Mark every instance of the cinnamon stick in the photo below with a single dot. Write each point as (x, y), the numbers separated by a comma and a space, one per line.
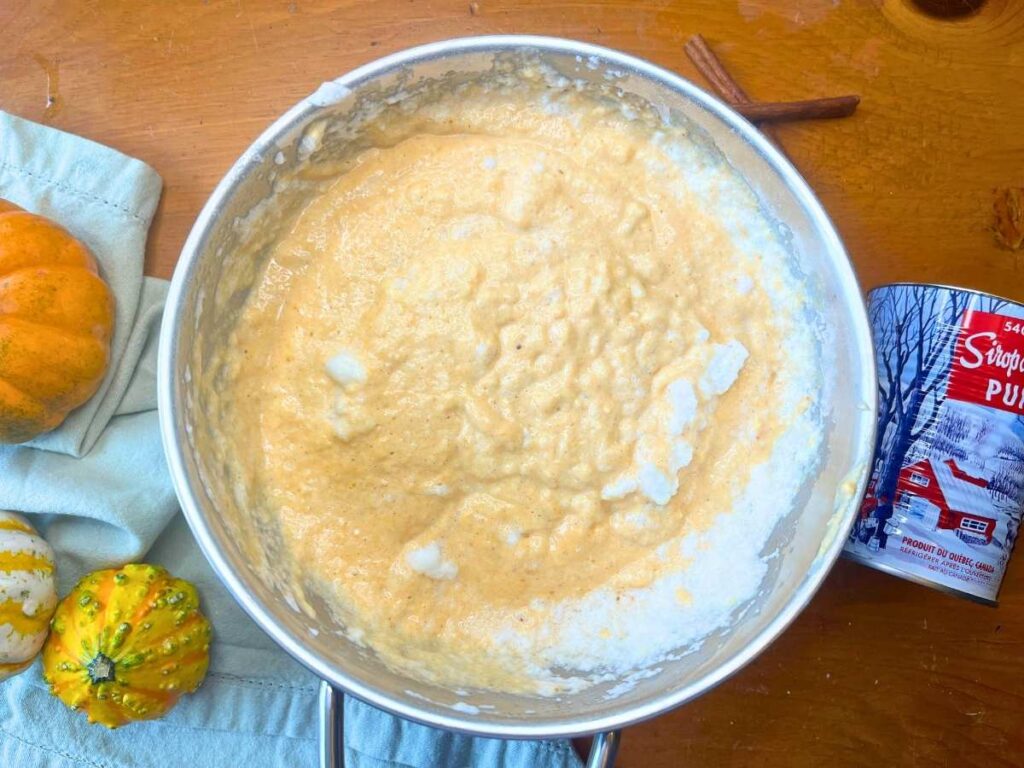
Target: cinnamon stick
(809, 109)
(714, 71)
(711, 67)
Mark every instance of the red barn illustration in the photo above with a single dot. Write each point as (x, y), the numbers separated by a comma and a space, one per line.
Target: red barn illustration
(945, 496)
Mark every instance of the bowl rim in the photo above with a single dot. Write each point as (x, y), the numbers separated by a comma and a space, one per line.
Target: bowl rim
(174, 443)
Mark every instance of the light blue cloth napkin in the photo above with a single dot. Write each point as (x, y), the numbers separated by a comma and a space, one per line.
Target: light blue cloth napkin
(98, 489)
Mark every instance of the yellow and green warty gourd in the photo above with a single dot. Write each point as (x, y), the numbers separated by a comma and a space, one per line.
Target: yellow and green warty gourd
(126, 643)
(27, 593)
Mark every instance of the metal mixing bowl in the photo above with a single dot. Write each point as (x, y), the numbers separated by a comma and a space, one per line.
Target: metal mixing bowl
(220, 263)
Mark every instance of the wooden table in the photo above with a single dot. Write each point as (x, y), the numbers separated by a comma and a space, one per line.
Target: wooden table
(876, 671)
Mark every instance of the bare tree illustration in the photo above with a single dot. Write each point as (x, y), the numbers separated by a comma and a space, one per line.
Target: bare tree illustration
(916, 330)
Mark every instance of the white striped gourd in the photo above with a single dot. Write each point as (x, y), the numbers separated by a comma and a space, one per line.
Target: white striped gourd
(28, 595)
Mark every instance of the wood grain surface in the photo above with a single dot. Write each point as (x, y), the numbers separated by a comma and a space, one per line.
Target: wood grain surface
(877, 671)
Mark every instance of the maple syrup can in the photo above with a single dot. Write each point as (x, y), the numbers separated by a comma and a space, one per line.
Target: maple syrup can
(946, 491)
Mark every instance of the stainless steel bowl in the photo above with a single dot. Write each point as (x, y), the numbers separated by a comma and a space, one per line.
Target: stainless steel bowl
(213, 279)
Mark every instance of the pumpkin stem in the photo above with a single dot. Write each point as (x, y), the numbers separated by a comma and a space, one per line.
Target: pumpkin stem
(101, 669)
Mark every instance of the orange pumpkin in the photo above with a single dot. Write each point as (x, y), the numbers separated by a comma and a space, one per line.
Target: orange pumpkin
(56, 317)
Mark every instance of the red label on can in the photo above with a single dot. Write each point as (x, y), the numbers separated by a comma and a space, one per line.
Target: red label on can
(988, 362)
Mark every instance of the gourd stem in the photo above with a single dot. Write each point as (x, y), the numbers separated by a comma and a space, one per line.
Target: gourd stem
(101, 669)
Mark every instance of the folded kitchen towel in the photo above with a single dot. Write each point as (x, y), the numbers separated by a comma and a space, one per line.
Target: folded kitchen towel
(98, 489)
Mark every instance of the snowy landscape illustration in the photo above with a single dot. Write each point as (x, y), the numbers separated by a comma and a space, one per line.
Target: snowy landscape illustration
(947, 481)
